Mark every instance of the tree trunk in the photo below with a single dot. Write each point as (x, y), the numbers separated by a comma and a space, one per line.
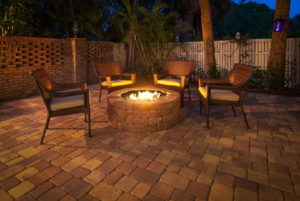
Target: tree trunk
(208, 38)
(131, 46)
(276, 65)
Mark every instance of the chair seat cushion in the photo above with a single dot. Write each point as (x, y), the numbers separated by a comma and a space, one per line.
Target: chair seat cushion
(217, 94)
(66, 102)
(116, 83)
(169, 82)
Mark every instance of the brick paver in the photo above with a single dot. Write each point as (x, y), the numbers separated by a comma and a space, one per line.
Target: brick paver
(186, 162)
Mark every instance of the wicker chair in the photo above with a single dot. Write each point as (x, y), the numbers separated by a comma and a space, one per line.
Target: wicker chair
(62, 99)
(107, 71)
(225, 92)
(176, 76)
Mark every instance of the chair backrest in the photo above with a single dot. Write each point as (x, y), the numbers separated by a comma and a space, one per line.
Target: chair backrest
(240, 74)
(108, 68)
(180, 67)
(43, 81)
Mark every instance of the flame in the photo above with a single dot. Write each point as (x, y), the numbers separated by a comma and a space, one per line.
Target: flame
(146, 96)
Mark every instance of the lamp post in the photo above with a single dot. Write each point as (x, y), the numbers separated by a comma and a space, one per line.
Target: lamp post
(75, 28)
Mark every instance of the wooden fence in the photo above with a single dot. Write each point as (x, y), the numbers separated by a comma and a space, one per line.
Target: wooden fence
(253, 52)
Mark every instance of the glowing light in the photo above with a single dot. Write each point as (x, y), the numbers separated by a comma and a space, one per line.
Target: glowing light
(145, 96)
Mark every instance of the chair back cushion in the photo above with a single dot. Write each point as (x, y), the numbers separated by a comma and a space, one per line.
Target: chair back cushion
(180, 67)
(108, 68)
(43, 81)
(240, 74)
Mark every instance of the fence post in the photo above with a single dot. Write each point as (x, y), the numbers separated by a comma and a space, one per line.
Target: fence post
(236, 53)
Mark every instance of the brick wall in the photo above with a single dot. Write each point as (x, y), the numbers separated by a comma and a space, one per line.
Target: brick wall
(65, 60)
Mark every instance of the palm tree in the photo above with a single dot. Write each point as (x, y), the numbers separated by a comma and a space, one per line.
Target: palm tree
(208, 38)
(276, 66)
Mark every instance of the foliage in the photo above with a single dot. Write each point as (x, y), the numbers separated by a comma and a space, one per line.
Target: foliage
(60, 15)
(250, 18)
(151, 30)
(15, 17)
(258, 79)
(294, 27)
(200, 73)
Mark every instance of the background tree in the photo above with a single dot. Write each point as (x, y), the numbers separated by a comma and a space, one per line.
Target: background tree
(276, 66)
(16, 17)
(208, 38)
(294, 27)
(151, 30)
(251, 19)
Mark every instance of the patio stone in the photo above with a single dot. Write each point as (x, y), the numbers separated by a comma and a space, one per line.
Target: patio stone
(162, 190)
(45, 175)
(105, 192)
(60, 178)
(94, 177)
(140, 190)
(53, 194)
(126, 183)
(24, 175)
(186, 162)
(220, 192)
(41, 189)
(21, 189)
(5, 196)
(76, 187)
(28, 152)
(174, 180)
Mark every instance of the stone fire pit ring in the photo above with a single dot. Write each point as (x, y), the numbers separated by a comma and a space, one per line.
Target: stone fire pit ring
(143, 116)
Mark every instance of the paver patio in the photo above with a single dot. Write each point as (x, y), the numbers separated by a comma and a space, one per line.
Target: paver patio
(187, 162)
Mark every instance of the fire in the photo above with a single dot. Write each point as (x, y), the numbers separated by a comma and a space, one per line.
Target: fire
(145, 96)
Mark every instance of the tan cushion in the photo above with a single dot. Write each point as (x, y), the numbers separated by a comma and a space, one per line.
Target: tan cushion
(218, 94)
(66, 102)
(169, 82)
(116, 83)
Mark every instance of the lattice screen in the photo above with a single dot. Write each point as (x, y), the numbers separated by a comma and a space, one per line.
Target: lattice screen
(100, 51)
(22, 52)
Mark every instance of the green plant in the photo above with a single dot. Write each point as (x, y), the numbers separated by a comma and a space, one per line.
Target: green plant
(258, 79)
(200, 73)
(292, 76)
(152, 31)
(14, 17)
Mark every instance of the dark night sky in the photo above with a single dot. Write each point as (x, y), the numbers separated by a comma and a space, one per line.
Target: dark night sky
(294, 10)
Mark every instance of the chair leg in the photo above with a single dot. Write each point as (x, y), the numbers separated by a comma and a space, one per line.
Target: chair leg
(46, 127)
(89, 122)
(234, 113)
(245, 118)
(200, 103)
(189, 92)
(100, 93)
(182, 98)
(207, 115)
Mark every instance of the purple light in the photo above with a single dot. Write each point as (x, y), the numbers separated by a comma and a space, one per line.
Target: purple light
(277, 29)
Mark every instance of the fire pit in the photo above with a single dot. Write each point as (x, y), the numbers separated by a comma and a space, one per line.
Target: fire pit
(143, 109)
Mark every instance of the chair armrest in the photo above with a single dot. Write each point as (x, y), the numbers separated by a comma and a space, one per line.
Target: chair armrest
(155, 78)
(131, 75)
(203, 82)
(59, 86)
(57, 94)
(223, 87)
(182, 81)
